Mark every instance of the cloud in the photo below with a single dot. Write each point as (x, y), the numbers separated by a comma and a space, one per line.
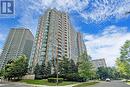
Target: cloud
(66, 5)
(27, 17)
(100, 10)
(32, 9)
(2, 37)
(89, 10)
(29, 11)
(29, 22)
(107, 44)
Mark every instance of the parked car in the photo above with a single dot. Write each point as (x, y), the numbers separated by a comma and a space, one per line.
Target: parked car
(108, 80)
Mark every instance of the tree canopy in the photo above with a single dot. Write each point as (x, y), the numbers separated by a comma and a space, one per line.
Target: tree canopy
(16, 68)
(85, 68)
(107, 72)
(123, 62)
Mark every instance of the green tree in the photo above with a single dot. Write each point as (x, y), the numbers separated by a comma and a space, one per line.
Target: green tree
(68, 69)
(115, 73)
(123, 67)
(85, 68)
(48, 68)
(103, 73)
(21, 66)
(123, 62)
(1, 72)
(42, 71)
(64, 66)
(37, 71)
(73, 68)
(16, 68)
(125, 51)
(107, 72)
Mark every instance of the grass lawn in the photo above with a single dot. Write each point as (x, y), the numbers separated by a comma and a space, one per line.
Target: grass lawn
(128, 82)
(84, 84)
(45, 82)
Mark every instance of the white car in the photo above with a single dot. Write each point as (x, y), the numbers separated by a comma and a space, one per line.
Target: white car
(108, 80)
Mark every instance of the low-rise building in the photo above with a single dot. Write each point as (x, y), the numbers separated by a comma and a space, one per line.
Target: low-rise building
(99, 63)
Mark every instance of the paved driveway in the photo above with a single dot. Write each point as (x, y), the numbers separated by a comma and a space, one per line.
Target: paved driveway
(14, 85)
(111, 84)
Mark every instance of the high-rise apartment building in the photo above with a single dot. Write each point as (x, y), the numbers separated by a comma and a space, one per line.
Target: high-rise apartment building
(18, 42)
(99, 63)
(55, 38)
(81, 44)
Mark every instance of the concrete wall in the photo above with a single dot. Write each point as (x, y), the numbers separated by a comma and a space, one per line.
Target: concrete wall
(29, 77)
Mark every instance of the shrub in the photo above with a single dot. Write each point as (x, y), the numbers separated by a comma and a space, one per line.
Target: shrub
(54, 80)
(75, 77)
(38, 77)
(72, 77)
(81, 79)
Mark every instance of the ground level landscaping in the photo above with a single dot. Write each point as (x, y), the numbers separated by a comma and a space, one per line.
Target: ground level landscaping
(128, 82)
(45, 82)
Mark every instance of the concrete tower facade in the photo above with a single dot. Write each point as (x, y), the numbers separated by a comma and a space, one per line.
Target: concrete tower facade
(18, 42)
(55, 38)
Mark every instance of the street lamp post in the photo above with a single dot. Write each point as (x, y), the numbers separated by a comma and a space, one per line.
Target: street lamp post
(57, 63)
(57, 70)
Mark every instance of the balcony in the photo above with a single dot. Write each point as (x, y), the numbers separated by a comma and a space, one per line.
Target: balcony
(59, 55)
